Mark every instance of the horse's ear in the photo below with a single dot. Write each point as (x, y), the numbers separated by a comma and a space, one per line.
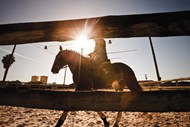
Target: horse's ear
(60, 48)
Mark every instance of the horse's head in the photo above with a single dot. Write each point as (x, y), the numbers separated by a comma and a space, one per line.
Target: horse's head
(59, 62)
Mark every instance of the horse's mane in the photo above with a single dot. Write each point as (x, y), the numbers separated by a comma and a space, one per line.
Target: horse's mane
(73, 52)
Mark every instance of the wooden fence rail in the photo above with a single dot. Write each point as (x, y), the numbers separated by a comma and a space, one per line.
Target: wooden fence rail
(122, 26)
(147, 101)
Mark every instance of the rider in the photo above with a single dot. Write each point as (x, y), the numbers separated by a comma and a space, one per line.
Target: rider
(99, 55)
(98, 58)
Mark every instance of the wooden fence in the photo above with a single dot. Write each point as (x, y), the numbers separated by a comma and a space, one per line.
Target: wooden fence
(122, 26)
(147, 101)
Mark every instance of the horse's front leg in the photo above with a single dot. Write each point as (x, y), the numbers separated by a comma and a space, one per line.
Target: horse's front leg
(103, 117)
(61, 119)
(118, 119)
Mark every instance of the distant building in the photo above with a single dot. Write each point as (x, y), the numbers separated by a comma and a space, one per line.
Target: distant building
(43, 79)
(35, 78)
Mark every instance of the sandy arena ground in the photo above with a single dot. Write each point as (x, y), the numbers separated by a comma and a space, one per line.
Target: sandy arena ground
(26, 117)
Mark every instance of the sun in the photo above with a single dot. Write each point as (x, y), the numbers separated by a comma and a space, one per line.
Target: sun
(83, 44)
(82, 41)
(82, 36)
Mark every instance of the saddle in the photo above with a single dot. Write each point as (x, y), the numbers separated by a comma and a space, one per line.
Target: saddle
(105, 68)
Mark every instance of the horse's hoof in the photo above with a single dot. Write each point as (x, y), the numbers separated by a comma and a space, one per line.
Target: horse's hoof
(116, 125)
(59, 123)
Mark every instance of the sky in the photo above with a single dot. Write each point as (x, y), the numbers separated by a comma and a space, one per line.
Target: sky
(172, 53)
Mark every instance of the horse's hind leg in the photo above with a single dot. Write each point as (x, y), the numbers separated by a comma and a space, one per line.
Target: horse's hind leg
(61, 119)
(118, 119)
(118, 85)
(103, 117)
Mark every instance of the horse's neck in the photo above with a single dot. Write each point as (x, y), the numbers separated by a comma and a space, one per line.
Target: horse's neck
(73, 61)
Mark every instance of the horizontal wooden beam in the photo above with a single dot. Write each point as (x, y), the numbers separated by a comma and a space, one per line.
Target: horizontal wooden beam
(147, 101)
(122, 26)
(165, 81)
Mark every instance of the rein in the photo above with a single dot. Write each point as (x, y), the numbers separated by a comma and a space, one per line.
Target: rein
(65, 66)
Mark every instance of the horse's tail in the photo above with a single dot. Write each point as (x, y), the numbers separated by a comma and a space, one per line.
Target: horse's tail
(133, 84)
(130, 78)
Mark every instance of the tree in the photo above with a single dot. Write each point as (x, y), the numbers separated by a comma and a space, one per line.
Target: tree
(8, 60)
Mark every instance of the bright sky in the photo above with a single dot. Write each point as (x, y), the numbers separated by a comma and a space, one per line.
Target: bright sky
(172, 53)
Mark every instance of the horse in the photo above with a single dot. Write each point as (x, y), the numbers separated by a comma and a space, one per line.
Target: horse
(116, 75)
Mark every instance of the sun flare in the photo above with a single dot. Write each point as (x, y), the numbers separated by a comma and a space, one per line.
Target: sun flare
(82, 36)
(83, 44)
(82, 41)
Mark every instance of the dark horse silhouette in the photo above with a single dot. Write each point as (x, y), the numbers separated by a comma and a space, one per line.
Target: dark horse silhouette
(117, 75)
